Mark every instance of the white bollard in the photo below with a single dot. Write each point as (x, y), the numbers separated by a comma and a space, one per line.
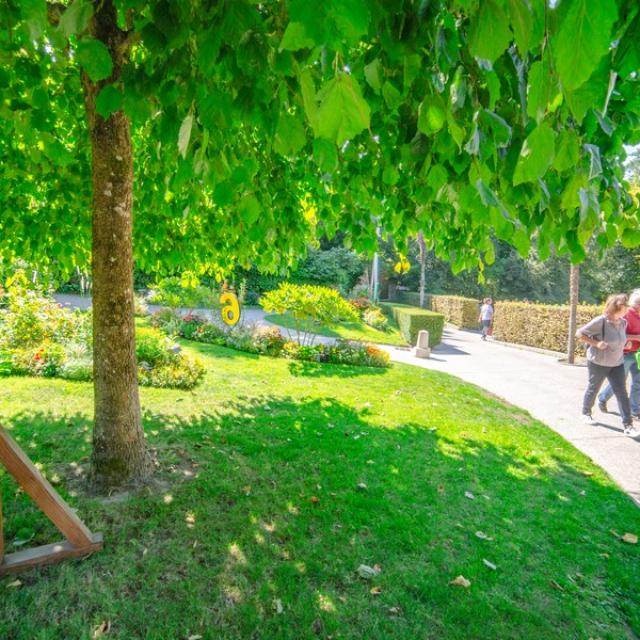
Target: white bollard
(422, 350)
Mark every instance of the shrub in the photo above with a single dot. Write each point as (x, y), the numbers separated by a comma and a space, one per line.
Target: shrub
(76, 369)
(360, 304)
(140, 305)
(462, 312)
(183, 373)
(412, 298)
(411, 320)
(545, 326)
(375, 318)
(269, 340)
(308, 304)
(45, 359)
(175, 292)
(189, 324)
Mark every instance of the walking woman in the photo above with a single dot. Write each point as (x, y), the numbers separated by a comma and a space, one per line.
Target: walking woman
(606, 336)
(486, 317)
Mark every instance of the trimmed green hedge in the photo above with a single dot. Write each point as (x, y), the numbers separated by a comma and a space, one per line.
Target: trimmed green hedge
(411, 320)
(459, 311)
(545, 326)
(412, 298)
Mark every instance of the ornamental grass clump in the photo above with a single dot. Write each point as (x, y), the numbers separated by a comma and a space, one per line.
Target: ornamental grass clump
(306, 305)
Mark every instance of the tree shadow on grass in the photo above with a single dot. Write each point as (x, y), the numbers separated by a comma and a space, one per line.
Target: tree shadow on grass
(293, 495)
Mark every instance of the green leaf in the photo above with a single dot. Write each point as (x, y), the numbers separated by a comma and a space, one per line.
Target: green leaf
(109, 101)
(76, 17)
(372, 75)
(522, 23)
(590, 94)
(498, 126)
(392, 97)
(295, 38)
(342, 112)
(536, 155)
(94, 58)
(290, 135)
(568, 151)
(595, 165)
(308, 89)
(542, 88)
(250, 209)
(185, 134)
(489, 34)
(630, 238)
(34, 13)
(352, 18)
(325, 155)
(432, 115)
(584, 37)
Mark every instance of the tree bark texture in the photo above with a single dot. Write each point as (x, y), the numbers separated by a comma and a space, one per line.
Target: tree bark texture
(119, 449)
(574, 286)
(423, 266)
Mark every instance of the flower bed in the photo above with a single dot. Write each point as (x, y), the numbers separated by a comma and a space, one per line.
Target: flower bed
(38, 337)
(268, 341)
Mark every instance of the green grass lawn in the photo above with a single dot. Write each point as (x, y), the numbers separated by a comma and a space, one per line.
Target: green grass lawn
(278, 479)
(347, 330)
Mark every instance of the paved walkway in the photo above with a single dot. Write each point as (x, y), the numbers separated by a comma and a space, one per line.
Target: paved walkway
(551, 392)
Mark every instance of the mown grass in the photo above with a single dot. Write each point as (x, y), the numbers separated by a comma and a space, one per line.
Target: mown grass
(346, 330)
(257, 523)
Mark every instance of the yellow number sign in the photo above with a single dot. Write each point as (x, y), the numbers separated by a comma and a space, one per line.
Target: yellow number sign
(230, 308)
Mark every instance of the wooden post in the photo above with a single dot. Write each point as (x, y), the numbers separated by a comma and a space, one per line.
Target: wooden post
(80, 541)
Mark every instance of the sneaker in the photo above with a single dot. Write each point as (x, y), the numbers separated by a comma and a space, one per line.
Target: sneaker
(587, 419)
(630, 430)
(602, 406)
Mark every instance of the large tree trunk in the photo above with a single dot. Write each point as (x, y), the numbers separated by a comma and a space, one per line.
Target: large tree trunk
(423, 266)
(574, 285)
(119, 450)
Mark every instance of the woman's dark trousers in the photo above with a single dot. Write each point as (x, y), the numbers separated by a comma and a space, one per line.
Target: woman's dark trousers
(616, 378)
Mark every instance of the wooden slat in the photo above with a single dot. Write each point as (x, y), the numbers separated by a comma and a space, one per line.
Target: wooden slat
(47, 554)
(42, 493)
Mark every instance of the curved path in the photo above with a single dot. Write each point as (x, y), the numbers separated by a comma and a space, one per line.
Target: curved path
(550, 391)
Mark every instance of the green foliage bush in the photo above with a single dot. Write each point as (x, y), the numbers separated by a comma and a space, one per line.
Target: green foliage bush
(306, 304)
(545, 326)
(175, 292)
(462, 312)
(412, 298)
(411, 320)
(374, 317)
(38, 337)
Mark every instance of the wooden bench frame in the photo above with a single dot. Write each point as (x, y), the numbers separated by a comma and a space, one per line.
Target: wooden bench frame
(79, 540)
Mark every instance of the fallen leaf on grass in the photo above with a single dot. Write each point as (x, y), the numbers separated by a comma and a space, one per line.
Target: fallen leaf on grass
(375, 591)
(15, 584)
(314, 500)
(468, 494)
(482, 535)
(489, 564)
(362, 486)
(277, 605)
(460, 581)
(393, 611)
(101, 630)
(555, 585)
(367, 572)
(630, 538)
(195, 637)
(440, 488)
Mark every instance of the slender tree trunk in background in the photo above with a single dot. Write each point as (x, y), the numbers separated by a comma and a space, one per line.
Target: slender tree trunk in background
(119, 449)
(574, 285)
(423, 266)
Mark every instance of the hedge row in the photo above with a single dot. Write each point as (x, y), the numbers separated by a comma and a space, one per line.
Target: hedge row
(462, 312)
(412, 298)
(545, 326)
(411, 320)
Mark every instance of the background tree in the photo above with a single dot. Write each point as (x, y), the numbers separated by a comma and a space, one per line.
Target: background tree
(253, 125)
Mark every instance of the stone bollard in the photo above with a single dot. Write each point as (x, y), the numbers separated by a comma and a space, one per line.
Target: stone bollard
(422, 350)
